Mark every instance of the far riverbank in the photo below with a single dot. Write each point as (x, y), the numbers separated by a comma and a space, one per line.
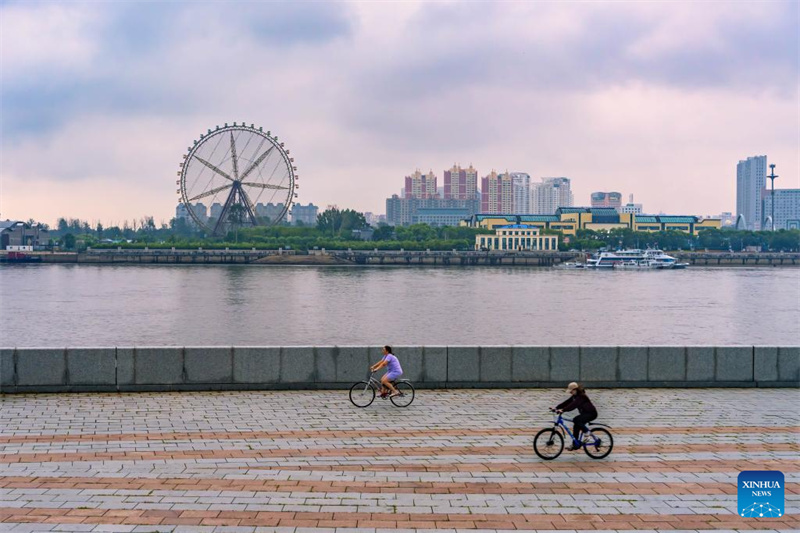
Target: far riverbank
(373, 257)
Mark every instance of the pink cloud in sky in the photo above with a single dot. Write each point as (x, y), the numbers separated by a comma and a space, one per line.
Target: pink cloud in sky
(99, 101)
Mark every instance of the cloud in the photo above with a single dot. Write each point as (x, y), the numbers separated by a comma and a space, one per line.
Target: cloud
(462, 75)
(147, 58)
(582, 47)
(40, 39)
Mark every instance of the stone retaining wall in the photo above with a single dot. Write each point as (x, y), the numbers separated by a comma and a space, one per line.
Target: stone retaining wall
(325, 367)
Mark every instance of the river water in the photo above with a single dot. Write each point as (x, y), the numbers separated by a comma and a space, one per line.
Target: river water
(85, 305)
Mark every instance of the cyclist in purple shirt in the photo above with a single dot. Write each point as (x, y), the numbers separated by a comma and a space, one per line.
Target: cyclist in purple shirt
(393, 372)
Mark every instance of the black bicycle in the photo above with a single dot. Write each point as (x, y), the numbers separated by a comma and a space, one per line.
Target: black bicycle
(597, 442)
(363, 393)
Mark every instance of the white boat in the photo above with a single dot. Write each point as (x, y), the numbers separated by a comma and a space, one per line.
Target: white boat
(609, 259)
(573, 265)
(650, 259)
(659, 260)
(633, 265)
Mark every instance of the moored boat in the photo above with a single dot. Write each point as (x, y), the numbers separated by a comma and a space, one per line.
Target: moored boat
(22, 257)
(650, 259)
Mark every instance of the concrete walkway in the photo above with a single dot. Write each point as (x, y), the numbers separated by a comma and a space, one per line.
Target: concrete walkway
(310, 462)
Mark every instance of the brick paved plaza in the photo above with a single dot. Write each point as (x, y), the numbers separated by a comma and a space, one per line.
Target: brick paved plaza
(310, 462)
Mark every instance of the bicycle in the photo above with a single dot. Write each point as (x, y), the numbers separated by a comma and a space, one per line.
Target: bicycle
(362, 394)
(597, 442)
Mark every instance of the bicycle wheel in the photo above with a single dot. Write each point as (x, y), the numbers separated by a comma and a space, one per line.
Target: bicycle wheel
(601, 447)
(548, 444)
(362, 394)
(406, 391)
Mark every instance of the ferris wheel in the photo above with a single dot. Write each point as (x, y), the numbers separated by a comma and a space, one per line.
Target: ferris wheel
(237, 170)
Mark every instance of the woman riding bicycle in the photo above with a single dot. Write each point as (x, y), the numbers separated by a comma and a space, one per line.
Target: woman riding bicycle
(587, 411)
(393, 373)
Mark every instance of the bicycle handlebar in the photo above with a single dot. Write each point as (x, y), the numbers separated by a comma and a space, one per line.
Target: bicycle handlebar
(556, 412)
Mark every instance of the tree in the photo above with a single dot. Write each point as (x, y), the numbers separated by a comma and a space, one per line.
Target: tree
(329, 221)
(416, 232)
(63, 226)
(784, 241)
(712, 239)
(383, 232)
(181, 227)
(113, 232)
(335, 221)
(68, 241)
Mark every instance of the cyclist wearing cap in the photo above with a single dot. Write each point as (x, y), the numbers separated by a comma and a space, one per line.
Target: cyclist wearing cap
(581, 402)
(393, 373)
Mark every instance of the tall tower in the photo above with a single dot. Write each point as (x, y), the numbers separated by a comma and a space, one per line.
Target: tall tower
(751, 178)
(551, 194)
(460, 183)
(521, 182)
(419, 185)
(772, 177)
(497, 193)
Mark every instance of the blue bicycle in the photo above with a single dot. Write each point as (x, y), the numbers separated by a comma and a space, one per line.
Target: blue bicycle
(595, 441)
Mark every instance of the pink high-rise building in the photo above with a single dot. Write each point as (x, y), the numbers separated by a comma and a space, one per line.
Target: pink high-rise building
(497, 193)
(419, 185)
(460, 183)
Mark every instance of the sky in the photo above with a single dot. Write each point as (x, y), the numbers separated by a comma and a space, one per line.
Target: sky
(100, 100)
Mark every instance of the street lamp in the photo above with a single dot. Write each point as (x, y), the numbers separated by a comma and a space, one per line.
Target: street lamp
(772, 177)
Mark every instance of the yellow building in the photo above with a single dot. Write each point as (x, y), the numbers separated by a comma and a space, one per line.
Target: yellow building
(646, 223)
(517, 237)
(569, 220)
(490, 221)
(708, 223)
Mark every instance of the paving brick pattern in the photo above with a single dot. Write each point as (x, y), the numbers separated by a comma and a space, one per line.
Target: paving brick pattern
(309, 462)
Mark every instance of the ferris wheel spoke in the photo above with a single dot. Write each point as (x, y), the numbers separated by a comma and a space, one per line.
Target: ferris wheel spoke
(257, 162)
(211, 192)
(248, 205)
(264, 186)
(235, 160)
(214, 168)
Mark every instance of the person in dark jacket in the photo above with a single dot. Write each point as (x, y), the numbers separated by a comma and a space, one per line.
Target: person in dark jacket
(581, 402)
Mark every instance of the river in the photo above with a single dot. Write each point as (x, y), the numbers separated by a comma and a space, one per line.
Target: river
(224, 305)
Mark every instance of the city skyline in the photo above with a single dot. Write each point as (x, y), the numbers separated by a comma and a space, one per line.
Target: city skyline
(99, 101)
(540, 199)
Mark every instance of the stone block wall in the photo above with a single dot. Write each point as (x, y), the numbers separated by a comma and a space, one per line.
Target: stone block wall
(162, 368)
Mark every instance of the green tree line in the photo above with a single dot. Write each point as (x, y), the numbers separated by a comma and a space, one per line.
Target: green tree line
(346, 228)
(723, 240)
